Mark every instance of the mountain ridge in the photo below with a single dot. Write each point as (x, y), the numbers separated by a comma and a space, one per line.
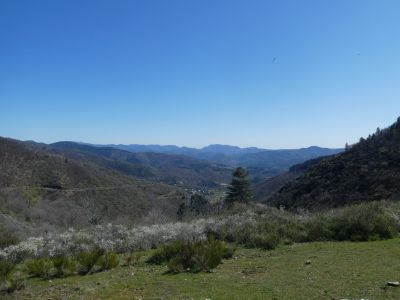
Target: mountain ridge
(261, 162)
(167, 168)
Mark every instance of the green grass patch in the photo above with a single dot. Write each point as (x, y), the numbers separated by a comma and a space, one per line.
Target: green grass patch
(337, 270)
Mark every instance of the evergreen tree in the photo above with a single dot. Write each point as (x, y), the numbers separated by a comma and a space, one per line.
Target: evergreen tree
(239, 189)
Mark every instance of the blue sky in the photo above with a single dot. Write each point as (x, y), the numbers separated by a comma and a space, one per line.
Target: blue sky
(273, 74)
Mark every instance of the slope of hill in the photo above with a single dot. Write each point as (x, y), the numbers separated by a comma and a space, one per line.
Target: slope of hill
(266, 188)
(41, 190)
(369, 170)
(168, 168)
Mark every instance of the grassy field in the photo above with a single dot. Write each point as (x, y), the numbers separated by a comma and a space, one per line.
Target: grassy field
(336, 271)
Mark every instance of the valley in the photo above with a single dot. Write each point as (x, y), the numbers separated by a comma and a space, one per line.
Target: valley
(104, 210)
(182, 150)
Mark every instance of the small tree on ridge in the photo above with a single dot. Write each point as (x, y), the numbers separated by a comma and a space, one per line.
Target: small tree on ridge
(239, 189)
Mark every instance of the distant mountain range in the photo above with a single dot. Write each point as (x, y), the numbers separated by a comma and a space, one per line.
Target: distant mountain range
(172, 169)
(54, 186)
(366, 171)
(262, 163)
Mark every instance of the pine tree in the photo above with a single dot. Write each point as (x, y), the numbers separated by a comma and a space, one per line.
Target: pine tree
(239, 189)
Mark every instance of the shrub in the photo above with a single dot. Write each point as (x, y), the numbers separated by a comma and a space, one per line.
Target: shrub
(362, 223)
(121, 239)
(165, 253)
(262, 235)
(108, 260)
(133, 258)
(257, 228)
(87, 260)
(63, 266)
(244, 235)
(267, 241)
(209, 254)
(318, 228)
(292, 231)
(41, 267)
(6, 267)
(8, 282)
(193, 257)
(228, 252)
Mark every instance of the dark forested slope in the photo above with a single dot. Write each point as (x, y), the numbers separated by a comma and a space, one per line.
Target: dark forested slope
(366, 171)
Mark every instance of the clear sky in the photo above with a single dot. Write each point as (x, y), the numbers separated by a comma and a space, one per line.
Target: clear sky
(273, 74)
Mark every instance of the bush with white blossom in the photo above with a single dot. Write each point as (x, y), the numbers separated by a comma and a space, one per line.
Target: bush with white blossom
(259, 227)
(121, 239)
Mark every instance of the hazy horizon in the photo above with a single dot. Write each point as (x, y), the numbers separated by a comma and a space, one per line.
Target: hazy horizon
(245, 73)
(165, 145)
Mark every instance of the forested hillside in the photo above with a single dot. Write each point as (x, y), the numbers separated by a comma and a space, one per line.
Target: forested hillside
(366, 171)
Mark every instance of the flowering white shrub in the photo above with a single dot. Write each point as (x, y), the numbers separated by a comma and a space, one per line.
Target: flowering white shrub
(122, 239)
(252, 228)
(32, 247)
